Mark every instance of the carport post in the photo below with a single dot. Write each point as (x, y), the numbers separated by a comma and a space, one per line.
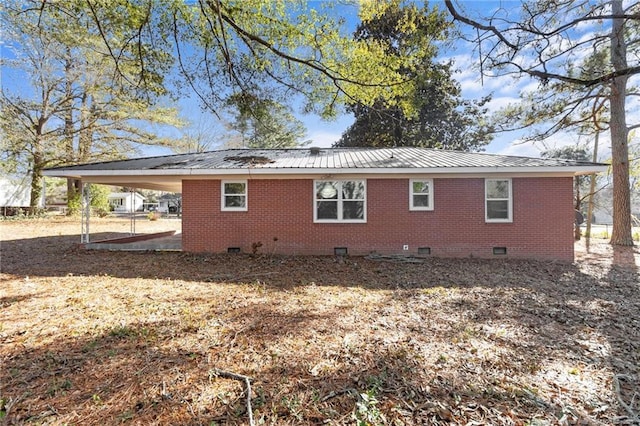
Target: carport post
(85, 194)
(132, 213)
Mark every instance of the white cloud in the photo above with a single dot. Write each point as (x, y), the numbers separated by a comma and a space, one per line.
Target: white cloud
(323, 133)
(518, 147)
(531, 87)
(323, 139)
(497, 103)
(521, 149)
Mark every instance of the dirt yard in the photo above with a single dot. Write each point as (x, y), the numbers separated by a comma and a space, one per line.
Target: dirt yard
(96, 337)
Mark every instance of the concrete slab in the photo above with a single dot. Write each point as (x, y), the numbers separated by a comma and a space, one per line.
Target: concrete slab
(162, 243)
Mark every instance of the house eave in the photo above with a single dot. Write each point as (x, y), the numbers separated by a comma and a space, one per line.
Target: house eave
(170, 180)
(272, 172)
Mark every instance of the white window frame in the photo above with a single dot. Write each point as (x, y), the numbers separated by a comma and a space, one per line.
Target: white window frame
(223, 196)
(509, 199)
(430, 194)
(340, 201)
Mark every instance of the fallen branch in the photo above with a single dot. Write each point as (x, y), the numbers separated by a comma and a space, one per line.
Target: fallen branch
(635, 417)
(395, 258)
(333, 394)
(247, 382)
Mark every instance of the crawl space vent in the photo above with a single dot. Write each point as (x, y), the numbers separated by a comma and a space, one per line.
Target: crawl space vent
(340, 251)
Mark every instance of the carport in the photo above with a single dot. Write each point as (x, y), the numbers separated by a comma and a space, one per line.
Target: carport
(125, 173)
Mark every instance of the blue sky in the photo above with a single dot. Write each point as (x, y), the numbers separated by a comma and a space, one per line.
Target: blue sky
(323, 133)
(505, 90)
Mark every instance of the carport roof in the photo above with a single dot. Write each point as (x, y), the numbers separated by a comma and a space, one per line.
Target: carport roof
(171, 169)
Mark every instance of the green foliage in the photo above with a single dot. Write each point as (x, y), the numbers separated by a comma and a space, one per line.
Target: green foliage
(153, 216)
(100, 197)
(264, 123)
(74, 204)
(577, 153)
(82, 106)
(367, 413)
(271, 49)
(99, 200)
(432, 114)
(101, 74)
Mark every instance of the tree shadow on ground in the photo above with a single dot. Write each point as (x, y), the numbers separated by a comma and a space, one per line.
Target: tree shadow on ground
(506, 319)
(624, 257)
(5, 302)
(150, 373)
(163, 372)
(623, 331)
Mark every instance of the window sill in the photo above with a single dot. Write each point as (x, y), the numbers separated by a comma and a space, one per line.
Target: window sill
(338, 221)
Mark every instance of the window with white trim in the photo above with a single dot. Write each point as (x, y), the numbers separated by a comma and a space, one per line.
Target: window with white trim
(234, 195)
(498, 200)
(340, 201)
(421, 194)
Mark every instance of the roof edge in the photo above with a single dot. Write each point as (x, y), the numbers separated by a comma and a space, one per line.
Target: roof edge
(540, 170)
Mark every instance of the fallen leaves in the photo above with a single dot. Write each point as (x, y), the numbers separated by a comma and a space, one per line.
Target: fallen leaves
(112, 337)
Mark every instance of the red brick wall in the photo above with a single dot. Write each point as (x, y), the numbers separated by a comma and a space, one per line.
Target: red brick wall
(280, 216)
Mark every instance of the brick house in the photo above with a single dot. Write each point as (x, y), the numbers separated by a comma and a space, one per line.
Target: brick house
(361, 200)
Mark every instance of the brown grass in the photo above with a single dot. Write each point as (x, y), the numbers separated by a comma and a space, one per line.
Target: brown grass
(96, 337)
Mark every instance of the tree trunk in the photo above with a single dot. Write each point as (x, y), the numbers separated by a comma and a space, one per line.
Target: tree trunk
(68, 111)
(37, 167)
(578, 207)
(36, 191)
(36, 179)
(73, 186)
(85, 137)
(621, 234)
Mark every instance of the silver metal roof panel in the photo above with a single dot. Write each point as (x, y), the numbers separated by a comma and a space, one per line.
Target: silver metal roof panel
(325, 158)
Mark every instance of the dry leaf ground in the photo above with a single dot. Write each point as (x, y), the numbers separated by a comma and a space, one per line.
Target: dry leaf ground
(97, 337)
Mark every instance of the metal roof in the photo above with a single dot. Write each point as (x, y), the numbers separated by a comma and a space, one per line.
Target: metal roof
(325, 158)
(167, 172)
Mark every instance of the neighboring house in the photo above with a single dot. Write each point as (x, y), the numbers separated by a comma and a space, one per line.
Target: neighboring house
(15, 193)
(126, 201)
(362, 200)
(603, 207)
(170, 203)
